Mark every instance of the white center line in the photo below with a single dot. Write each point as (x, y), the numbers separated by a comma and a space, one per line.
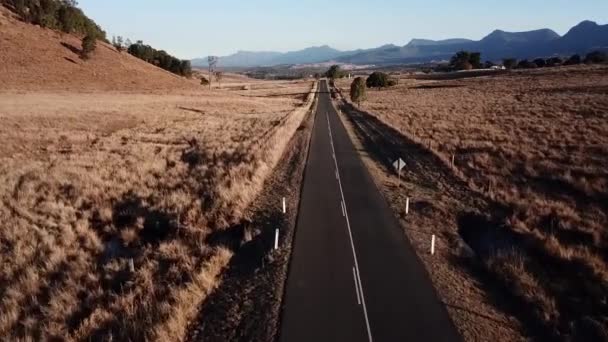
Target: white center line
(356, 286)
(350, 234)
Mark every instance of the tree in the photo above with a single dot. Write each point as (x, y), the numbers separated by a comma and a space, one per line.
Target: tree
(377, 80)
(212, 61)
(540, 62)
(554, 61)
(526, 64)
(465, 60)
(596, 57)
(89, 44)
(334, 72)
(573, 60)
(509, 63)
(218, 77)
(357, 90)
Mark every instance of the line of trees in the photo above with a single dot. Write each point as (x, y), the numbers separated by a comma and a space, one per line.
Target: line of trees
(161, 59)
(61, 15)
(465, 60)
(594, 57)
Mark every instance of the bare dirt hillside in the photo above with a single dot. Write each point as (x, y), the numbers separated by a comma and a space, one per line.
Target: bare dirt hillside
(33, 58)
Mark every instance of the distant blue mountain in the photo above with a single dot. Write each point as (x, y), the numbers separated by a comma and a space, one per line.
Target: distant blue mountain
(583, 38)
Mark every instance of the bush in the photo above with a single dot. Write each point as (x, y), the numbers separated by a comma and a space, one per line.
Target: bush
(509, 63)
(393, 81)
(89, 44)
(357, 90)
(596, 57)
(377, 80)
(204, 81)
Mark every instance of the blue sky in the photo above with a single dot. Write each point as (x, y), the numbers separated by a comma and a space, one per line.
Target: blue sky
(195, 28)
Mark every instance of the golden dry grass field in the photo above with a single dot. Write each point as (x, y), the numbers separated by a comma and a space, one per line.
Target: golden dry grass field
(536, 144)
(91, 181)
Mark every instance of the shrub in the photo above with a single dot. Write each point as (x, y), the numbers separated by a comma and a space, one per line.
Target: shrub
(377, 80)
(204, 81)
(509, 63)
(357, 90)
(393, 81)
(89, 44)
(596, 57)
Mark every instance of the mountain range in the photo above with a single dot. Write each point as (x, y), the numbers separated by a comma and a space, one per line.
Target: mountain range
(582, 38)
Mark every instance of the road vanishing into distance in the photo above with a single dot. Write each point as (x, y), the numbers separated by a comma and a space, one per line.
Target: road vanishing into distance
(353, 276)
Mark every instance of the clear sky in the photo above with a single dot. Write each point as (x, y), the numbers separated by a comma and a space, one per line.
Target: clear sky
(197, 28)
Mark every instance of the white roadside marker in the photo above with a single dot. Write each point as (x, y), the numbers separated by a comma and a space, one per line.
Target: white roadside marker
(284, 206)
(343, 209)
(276, 239)
(433, 245)
(407, 206)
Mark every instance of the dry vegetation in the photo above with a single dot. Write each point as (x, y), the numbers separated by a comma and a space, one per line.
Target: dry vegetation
(535, 144)
(90, 181)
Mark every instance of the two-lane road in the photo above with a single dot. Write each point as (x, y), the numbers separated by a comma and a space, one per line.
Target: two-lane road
(353, 276)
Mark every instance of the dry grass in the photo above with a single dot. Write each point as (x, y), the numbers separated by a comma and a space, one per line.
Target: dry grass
(91, 181)
(536, 143)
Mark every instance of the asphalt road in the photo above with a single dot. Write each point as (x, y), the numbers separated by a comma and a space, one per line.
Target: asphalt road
(353, 276)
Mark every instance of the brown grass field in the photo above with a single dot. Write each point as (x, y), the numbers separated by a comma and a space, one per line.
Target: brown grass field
(91, 181)
(534, 145)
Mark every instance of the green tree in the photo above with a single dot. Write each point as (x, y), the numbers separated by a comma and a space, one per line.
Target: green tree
(357, 90)
(465, 60)
(334, 72)
(89, 44)
(377, 80)
(509, 63)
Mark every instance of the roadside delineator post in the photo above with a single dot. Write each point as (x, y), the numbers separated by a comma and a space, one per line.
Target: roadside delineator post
(276, 239)
(453, 158)
(284, 206)
(433, 245)
(131, 265)
(407, 206)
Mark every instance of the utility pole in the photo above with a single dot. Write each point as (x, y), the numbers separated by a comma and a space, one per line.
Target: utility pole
(212, 61)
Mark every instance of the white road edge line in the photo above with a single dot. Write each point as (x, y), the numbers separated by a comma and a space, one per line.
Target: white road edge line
(350, 234)
(342, 205)
(356, 286)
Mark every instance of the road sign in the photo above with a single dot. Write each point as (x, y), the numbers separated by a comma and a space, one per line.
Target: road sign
(399, 165)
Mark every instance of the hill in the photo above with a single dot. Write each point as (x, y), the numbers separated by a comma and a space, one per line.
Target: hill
(35, 58)
(583, 38)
